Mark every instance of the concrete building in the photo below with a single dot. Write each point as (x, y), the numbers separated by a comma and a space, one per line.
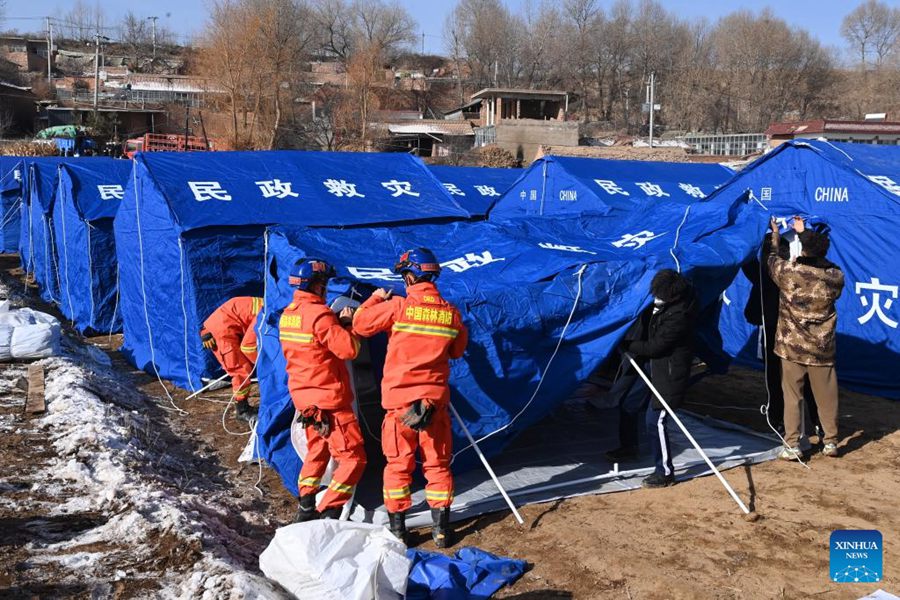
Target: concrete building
(861, 132)
(28, 55)
(520, 120)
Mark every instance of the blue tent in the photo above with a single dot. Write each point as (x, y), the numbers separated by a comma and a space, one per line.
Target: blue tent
(476, 188)
(556, 185)
(558, 292)
(87, 198)
(38, 241)
(190, 233)
(11, 177)
(855, 189)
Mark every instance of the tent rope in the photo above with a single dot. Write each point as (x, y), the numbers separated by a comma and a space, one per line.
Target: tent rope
(187, 361)
(10, 213)
(677, 234)
(537, 389)
(140, 238)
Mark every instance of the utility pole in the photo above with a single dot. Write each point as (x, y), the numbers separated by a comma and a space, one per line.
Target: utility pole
(153, 33)
(652, 105)
(96, 73)
(49, 54)
(423, 43)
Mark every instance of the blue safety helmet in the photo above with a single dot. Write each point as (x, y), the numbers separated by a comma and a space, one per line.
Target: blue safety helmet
(307, 271)
(421, 262)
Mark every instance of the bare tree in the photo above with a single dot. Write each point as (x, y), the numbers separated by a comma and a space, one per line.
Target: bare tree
(82, 21)
(344, 26)
(872, 28)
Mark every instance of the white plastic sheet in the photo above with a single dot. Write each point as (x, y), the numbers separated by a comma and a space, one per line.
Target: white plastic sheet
(27, 334)
(337, 560)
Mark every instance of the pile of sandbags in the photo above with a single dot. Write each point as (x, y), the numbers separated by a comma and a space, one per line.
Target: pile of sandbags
(26, 333)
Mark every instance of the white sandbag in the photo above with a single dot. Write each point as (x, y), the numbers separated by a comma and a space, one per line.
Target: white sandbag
(5, 342)
(337, 560)
(34, 341)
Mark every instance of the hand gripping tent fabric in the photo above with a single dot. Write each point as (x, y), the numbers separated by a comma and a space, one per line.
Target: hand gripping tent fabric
(42, 177)
(11, 180)
(560, 292)
(855, 189)
(190, 233)
(557, 185)
(475, 188)
(87, 198)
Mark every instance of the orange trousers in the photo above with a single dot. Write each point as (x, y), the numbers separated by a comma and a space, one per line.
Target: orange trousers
(399, 444)
(345, 444)
(236, 364)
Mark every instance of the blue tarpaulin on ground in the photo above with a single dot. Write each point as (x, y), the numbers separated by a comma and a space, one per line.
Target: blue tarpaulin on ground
(11, 178)
(855, 189)
(557, 185)
(475, 188)
(190, 233)
(522, 286)
(87, 198)
(37, 240)
(470, 574)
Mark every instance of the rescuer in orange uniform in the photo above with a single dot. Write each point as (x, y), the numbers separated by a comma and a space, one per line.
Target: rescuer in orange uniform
(425, 332)
(316, 342)
(230, 334)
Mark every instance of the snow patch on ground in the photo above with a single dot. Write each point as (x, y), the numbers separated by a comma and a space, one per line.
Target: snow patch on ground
(101, 467)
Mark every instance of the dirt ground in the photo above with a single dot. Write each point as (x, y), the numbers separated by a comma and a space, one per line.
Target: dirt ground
(687, 541)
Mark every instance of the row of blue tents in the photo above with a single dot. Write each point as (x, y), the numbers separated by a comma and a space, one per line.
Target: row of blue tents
(549, 265)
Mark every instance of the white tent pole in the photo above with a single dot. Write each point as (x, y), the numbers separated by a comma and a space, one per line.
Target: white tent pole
(207, 386)
(688, 435)
(487, 466)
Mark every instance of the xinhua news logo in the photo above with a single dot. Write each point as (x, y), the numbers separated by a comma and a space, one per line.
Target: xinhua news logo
(856, 556)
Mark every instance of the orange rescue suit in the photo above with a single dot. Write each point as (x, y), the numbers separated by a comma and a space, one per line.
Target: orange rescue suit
(233, 327)
(424, 333)
(315, 346)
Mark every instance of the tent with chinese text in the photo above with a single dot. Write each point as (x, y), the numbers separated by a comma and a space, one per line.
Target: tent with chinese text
(87, 198)
(475, 188)
(545, 303)
(189, 233)
(11, 177)
(558, 185)
(855, 190)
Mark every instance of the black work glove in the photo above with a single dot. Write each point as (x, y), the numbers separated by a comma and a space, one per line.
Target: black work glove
(315, 418)
(209, 342)
(625, 346)
(419, 415)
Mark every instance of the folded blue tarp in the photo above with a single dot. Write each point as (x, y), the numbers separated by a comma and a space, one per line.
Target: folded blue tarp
(471, 574)
(11, 178)
(190, 233)
(475, 188)
(557, 185)
(87, 198)
(565, 288)
(855, 189)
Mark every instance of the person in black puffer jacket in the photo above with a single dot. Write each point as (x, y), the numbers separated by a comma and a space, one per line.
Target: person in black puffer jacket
(667, 345)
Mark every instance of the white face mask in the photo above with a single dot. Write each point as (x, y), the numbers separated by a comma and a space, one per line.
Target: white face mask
(658, 302)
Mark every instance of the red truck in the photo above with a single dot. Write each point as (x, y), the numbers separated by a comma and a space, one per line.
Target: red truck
(166, 142)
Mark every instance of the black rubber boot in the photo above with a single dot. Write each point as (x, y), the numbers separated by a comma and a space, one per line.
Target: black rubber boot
(332, 513)
(307, 510)
(398, 526)
(246, 412)
(440, 529)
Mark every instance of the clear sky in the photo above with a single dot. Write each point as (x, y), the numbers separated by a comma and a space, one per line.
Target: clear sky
(822, 18)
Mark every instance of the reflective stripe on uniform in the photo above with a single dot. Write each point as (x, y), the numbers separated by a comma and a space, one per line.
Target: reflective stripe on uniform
(291, 336)
(436, 330)
(246, 349)
(397, 493)
(310, 482)
(340, 488)
(257, 305)
(437, 495)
